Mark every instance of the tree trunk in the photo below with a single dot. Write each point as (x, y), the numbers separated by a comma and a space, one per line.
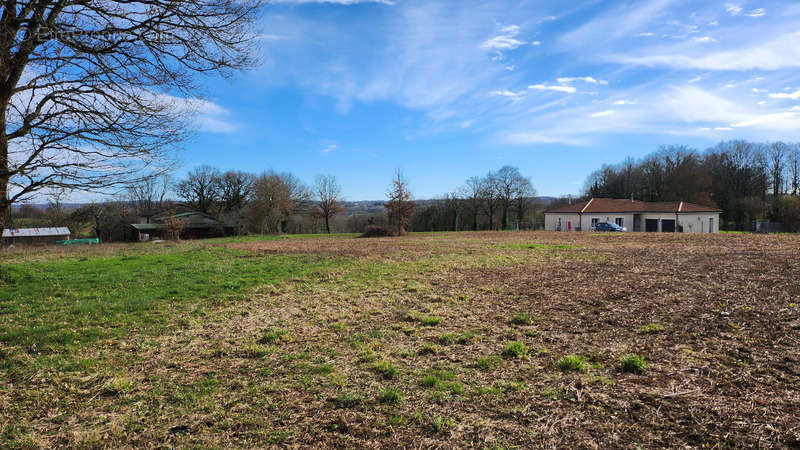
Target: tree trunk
(327, 224)
(5, 205)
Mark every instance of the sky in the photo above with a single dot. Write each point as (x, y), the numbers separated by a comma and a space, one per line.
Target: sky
(445, 90)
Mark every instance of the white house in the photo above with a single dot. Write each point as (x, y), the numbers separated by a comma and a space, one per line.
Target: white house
(634, 215)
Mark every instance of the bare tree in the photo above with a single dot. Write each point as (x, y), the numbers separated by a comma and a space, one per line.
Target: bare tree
(794, 168)
(148, 195)
(275, 197)
(400, 207)
(491, 198)
(472, 192)
(201, 189)
(95, 93)
(328, 193)
(236, 188)
(777, 153)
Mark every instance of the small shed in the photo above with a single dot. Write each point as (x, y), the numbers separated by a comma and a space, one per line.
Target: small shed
(34, 236)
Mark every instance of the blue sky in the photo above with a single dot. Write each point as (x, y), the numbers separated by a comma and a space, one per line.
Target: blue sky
(445, 90)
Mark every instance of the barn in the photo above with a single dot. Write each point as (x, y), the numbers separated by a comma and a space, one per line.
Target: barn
(634, 215)
(34, 236)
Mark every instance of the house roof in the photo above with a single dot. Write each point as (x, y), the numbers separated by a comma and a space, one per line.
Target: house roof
(621, 205)
(35, 232)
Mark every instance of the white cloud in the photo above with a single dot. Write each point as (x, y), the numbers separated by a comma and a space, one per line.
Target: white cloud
(546, 19)
(535, 43)
(783, 120)
(793, 95)
(780, 53)
(602, 113)
(624, 102)
(567, 80)
(502, 43)
(505, 41)
(515, 96)
(329, 149)
(733, 9)
(757, 12)
(704, 39)
(723, 128)
(645, 34)
(544, 87)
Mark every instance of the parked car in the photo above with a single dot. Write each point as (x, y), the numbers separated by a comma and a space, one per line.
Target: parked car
(608, 226)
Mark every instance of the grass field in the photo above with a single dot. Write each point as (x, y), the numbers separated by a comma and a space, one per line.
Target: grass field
(488, 340)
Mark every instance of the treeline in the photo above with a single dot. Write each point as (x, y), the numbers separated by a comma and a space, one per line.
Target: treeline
(273, 203)
(748, 181)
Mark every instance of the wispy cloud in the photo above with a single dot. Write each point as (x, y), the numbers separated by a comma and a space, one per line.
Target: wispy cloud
(605, 113)
(779, 53)
(329, 149)
(544, 87)
(793, 95)
(568, 80)
(704, 39)
(504, 41)
(733, 9)
(515, 96)
(757, 13)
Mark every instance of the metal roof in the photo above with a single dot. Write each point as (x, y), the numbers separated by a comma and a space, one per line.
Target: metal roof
(35, 232)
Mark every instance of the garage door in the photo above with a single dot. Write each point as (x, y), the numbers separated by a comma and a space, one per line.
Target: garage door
(651, 225)
(668, 225)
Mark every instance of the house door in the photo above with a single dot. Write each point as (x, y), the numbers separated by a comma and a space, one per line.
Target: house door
(651, 225)
(668, 225)
(710, 224)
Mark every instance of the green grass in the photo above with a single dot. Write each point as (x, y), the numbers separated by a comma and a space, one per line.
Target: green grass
(431, 321)
(386, 369)
(652, 328)
(390, 396)
(522, 319)
(537, 246)
(572, 363)
(53, 305)
(515, 349)
(632, 363)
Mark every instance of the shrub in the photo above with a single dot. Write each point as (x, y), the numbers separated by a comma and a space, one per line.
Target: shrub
(572, 363)
(522, 319)
(376, 231)
(390, 396)
(652, 328)
(515, 349)
(386, 369)
(632, 363)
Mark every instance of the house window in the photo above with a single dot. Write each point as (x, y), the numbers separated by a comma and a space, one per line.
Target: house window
(710, 224)
(620, 221)
(558, 225)
(595, 220)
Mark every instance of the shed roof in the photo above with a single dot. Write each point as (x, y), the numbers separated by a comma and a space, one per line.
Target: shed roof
(621, 205)
(35, 232)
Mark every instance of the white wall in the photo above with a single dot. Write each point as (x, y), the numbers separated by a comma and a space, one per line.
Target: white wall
(692, 222)
(551, 221)
(627, 220)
